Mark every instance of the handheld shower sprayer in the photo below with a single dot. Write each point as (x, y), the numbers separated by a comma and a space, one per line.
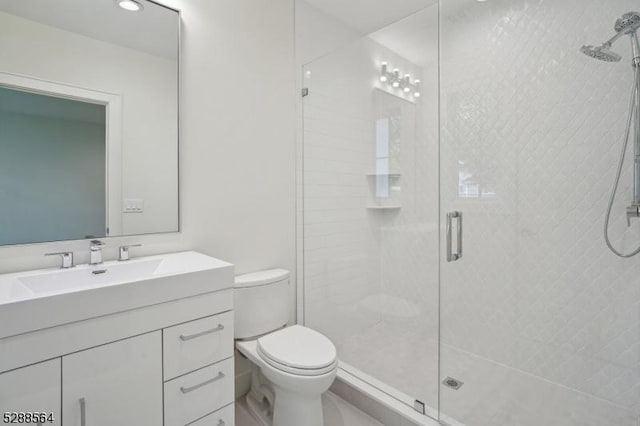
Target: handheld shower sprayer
(627, 24)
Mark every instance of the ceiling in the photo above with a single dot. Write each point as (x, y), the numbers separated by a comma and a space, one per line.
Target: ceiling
(407, 27)
(415, 37)
(368, 16)
(154, 30)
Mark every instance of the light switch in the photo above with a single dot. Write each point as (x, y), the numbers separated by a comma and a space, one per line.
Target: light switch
(133, 205)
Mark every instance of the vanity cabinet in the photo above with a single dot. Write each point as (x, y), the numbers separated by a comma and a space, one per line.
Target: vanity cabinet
(35, 388)
(118, 383)
(165, 364)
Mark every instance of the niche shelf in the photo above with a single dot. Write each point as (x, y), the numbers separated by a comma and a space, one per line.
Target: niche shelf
(388, 201)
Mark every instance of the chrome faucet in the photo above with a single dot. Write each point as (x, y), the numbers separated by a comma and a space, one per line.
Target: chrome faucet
(96, 252)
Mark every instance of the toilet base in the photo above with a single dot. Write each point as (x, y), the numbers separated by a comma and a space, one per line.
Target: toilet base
(294, 409)
(271, 405)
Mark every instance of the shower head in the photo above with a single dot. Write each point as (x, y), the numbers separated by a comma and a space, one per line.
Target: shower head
(628, 23)
(601, 53)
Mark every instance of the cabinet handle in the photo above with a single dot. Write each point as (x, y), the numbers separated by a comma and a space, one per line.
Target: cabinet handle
(83, 412)
(221, 423)
(184, 338)
(198, 386)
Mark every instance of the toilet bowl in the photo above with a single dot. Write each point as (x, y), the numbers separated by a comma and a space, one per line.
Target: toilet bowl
(299, 376)
(295, 365)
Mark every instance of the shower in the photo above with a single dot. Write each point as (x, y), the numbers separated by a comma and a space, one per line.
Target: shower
(628, 24)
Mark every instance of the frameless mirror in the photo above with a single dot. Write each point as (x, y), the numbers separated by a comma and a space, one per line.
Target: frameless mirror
(88, 119)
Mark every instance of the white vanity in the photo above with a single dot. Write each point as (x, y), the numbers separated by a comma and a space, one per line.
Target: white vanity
(145, 342)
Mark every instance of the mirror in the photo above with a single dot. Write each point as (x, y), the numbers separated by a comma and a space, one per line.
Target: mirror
(88, 119)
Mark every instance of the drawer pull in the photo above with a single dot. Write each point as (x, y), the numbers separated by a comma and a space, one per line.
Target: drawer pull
(83, 412)
(198, 386)
(184, 338)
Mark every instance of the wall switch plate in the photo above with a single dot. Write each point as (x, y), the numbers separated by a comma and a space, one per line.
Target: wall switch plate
(133, 205)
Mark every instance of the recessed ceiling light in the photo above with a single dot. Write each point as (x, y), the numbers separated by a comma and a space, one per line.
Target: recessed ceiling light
(130, 5)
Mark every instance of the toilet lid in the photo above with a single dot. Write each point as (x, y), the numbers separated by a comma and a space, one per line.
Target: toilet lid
(299, 348)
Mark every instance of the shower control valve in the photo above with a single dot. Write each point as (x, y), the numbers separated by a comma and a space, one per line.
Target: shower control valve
(633, 211)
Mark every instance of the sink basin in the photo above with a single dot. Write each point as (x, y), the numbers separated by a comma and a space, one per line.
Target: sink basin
(13, 291)
(86, 277)
(40, 299)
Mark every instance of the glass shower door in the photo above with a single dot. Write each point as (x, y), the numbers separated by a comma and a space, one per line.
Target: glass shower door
(369, 211)
(540, 322)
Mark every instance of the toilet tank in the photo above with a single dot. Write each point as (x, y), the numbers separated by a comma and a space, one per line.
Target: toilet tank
(261, 302)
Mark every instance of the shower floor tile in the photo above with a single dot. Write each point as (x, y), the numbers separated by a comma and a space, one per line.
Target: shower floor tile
(493, 394)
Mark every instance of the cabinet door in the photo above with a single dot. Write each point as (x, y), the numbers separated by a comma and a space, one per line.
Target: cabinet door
(115, 384)
(35, 388)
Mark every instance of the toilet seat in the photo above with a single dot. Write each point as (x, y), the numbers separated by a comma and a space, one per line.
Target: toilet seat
(298, 350)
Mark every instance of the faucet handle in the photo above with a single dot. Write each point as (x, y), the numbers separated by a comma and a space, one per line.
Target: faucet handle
(67, 258)
(124, 252)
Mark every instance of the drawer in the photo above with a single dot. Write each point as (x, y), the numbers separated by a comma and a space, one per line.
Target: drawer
(223, 417)
(199, 393)
(196, 344)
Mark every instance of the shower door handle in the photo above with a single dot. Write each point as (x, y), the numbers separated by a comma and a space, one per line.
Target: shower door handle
(451, 256)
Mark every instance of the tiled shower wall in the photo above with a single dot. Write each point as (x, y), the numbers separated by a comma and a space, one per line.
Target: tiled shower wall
(539, 126)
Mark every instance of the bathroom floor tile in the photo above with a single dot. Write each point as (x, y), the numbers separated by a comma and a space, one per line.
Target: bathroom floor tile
(337, 412)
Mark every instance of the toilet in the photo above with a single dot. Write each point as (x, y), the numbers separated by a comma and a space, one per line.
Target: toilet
(292, 366)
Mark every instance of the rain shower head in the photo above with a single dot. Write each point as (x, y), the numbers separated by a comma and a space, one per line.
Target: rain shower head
(601, 53)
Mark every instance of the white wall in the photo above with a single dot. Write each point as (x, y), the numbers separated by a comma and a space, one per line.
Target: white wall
(237, 142)
(146, 85)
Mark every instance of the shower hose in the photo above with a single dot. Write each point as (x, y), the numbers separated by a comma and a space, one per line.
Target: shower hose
(635, 96)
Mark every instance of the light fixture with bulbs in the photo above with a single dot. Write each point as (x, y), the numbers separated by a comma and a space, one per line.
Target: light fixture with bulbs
(394, 79)
(130, 5)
